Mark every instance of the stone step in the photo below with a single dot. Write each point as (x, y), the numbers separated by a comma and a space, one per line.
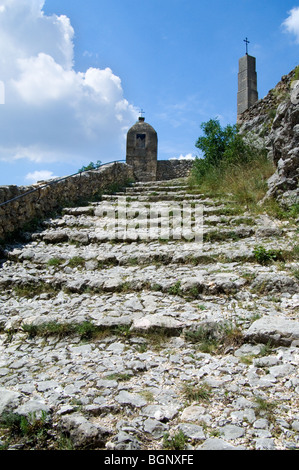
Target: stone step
(112, 202)
(162, 298)
(90, 222)
(94, 255)
(151, 309)
(164, 183)
(135, 208)
(137, 188)
(208, 279)
(124, 333)
(152, 197)
(155, 229)
(29, 286)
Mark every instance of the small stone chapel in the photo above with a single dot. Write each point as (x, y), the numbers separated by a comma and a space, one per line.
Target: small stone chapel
(142, 150)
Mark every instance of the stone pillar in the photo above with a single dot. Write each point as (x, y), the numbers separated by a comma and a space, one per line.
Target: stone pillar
(247, 83)
(142, 151)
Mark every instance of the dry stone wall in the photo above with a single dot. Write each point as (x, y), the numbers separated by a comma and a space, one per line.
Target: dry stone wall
(172, 169)
(41, 199)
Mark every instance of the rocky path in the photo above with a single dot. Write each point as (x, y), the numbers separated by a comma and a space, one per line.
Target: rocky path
(151, 340)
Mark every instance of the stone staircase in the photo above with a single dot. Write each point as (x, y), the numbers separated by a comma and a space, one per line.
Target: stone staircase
(131, 338)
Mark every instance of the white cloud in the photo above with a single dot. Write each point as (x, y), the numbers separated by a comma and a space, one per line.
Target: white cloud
(43, 80)
(291, 24)
(189, 156)
(52, 112)
(42, 175)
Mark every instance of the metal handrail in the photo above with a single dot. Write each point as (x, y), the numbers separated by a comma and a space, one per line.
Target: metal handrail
(50, 183)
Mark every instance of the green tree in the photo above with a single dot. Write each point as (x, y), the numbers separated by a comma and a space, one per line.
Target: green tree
(230, 165)
(220, 147)
(91, 166)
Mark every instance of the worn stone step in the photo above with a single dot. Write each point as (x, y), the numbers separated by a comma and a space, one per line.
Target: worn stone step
(151, 197)
(124, 254)
(163, 308)
(137, 188)
(174, 182)
(228, 222)
(235, 243)
(179, 279)
(133, 334)
(161, 229)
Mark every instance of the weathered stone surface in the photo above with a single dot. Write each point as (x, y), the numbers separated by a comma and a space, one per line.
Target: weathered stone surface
(265, 444)
(160, 412)
(217, 444)
(33, 408)
(83, 433)
(123, 441)
(193, 431)
(155, 428)
(131, 399)
(156, 321)
(274, 282)
(276, 329)
(121, 341)
(231, 432)
(8, 400)
(55, 237)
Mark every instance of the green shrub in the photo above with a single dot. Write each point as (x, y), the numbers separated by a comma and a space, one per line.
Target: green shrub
(220, 145)
(31, 290)
(175, 289)
(205, 339)
(91, 166)
(55, 262)
(197, 393)
(31, 426)
(213, 339)
(76, 261)
(294, 210)
(264, 256)
(176, 442)
(86, 330)
(230, 165)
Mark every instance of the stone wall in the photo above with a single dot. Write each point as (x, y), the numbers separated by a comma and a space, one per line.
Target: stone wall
(172, 169)
(43, 199)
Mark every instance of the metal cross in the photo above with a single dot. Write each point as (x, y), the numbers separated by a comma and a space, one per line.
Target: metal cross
(141, 112)
(247, 42)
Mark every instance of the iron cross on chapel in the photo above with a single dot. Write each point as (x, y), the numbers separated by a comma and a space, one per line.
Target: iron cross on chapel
(247, 42)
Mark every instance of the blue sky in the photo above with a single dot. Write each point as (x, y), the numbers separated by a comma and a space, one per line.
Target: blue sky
(75, 74)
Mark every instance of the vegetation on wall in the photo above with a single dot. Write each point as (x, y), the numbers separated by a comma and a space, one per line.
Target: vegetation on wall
(230, 165)
(90, 166)
(296, 74)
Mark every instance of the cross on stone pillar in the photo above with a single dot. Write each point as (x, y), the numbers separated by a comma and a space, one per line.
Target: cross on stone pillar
(247, 82)
(247, 42)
